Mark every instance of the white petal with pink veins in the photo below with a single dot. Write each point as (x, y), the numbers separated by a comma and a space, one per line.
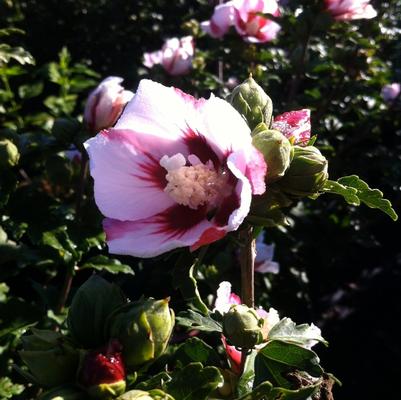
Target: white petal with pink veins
(153, 236)
(127, 174)
(159, 111)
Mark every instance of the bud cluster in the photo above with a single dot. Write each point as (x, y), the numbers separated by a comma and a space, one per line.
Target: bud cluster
(108, 337)
(295, 169)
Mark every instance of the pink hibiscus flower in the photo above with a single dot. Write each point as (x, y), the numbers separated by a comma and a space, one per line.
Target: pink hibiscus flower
(294, 125)
(174, 172)
(105, 104)
(350, 9)
(253, 27)
(175, 56)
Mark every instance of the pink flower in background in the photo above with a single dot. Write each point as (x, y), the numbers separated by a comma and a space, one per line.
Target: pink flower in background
(175, 56)
(243, 14)
(264, 257)
(391, 92)
(294, 125)
(350, 9)
(224, 300)
(252, 27)
(105, 104)
(221, 21)
(174, 172)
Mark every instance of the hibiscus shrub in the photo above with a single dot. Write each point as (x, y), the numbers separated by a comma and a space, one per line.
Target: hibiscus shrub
(178, 180)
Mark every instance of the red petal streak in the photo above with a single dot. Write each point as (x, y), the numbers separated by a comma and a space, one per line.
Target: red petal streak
(227, 207)
(154, 173)
(177, 220)
(209, 236)
(198, 145)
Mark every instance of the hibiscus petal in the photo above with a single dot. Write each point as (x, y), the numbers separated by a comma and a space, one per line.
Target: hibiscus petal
(225, 129)
(176, 227)
(127, 174)
(159, 111)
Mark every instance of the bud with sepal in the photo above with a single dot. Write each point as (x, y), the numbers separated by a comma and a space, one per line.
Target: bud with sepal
(144, 328)
(251, 101)
(50, 357)
(276, 149)
(102, 372)
(243, 327)
(307, 173)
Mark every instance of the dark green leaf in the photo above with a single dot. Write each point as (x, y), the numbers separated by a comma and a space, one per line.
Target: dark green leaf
(194, 382)
(196, 350)
(105, 263)
(194, 320)
(355, 190)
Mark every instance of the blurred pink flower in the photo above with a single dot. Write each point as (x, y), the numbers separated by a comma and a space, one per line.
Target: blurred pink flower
(243, 14)
(221, 21)
(105, 104)
(391, 92)
(294, 125)
(175, 56)
(264, 257)
(252, 27)
(350, 9)
(174, 172)
(224, 300)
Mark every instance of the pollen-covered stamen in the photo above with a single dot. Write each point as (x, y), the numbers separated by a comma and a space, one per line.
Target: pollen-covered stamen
(194, 185)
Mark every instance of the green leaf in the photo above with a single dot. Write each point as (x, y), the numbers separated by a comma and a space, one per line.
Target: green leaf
(4, 289)
(278, 358)
(18, 54)
(196, 350)
(8, 389)
(303, 335)
(31, 90)
(194, 382)
(155, 382)
(184, 280)
(194, 320)
(104, 263)
(355, 190)
(245, 382)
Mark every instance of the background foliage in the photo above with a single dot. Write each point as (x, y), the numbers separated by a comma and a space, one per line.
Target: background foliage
(340, 266)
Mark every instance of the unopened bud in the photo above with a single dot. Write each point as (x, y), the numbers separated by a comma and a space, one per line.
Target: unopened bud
(243, 327)
(144, 328)
(102, 372)
(307, 173)
(276, 150)
(251, 101)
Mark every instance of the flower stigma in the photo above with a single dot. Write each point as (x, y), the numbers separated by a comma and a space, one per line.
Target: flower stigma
(194, 185)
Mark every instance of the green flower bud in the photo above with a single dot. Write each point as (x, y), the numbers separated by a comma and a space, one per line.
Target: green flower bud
(143, 328)
(243, 327)
(94, 301)
(9, 154)
(277, 151)
(155, 394)
(251, 101)
(307, 173)
(50, 357)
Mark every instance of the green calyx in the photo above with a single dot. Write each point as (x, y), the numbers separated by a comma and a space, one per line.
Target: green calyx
(276, 149)
(307, 173)
(107, 391)
(143, 328)
(243, 327)
(251, 101)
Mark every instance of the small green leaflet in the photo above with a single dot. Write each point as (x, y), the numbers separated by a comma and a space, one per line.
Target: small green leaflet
(355, 190)
(303, 335)
(194, 320)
